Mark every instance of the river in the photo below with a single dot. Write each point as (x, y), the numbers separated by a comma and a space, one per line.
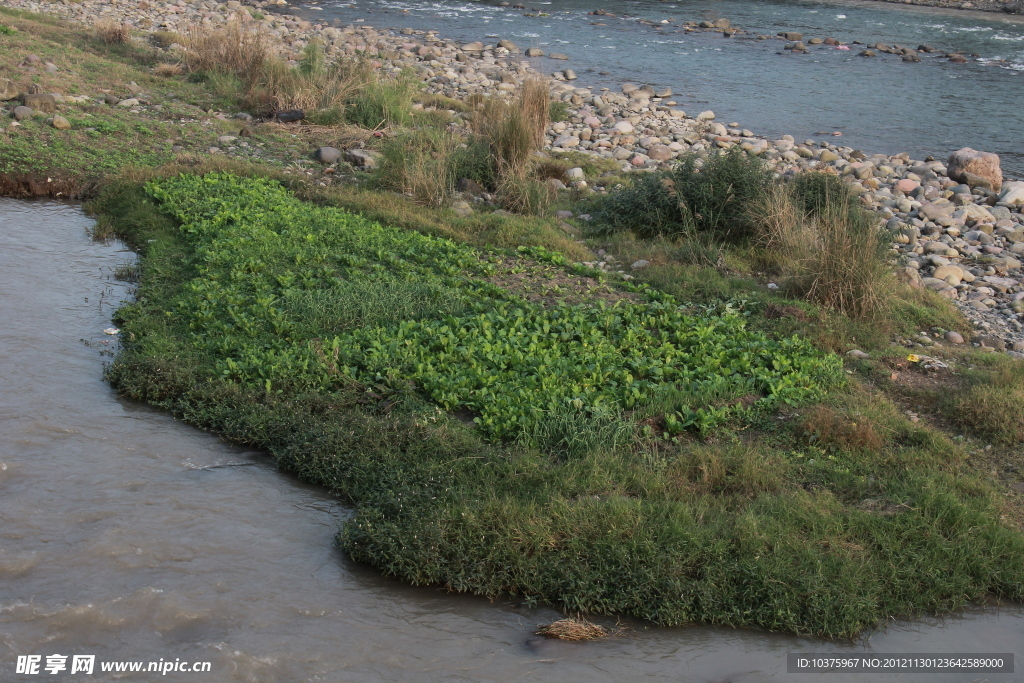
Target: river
(880, 104)
(127, 535)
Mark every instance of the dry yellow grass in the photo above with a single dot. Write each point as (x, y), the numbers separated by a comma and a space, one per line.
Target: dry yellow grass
(112, 32)
(573, 628)
(168, 70)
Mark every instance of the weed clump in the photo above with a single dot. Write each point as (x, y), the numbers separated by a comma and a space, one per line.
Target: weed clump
(382, 104)
(515, 133)
(573, 629)
(828, 249)
(234, 60)
(110, 32)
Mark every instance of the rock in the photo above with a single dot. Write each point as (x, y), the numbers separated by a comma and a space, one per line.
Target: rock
(990, 342)
(575, 174)
(948, 271)
(475, 46)
(462, 208)
(60, 123)
(7, 89)
(933, 212)
(130, 102)
(707, 115)
(906, 185)
(290, 116)
(557, 55)
(953, 337)
(569, 75)
(970, 162)
(640, 265)
(563, 215)
(660, 152)
(623, 127)
(556, 184)
(1012, 194)
(327, 155)
(22, 112)
(791, 35)
(857, 354)
(508, 45)
(40, 102)
(535, 52)
(828, 156)
(361, 158)
(867, 53)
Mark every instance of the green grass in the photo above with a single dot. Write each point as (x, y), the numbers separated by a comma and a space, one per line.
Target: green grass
(811, 523)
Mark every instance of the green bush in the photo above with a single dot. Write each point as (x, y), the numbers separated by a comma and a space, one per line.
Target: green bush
(713, 199)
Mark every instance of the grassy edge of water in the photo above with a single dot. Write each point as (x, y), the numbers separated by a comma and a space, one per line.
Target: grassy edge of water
(822, 522)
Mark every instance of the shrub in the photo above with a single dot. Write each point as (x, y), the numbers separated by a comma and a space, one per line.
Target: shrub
(525, 195)
(713, 199)
(165, 39)
(423, 163)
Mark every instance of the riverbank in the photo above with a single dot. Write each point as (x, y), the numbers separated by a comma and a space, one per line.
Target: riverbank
(739, 491)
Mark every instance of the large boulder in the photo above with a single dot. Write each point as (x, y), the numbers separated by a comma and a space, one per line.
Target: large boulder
(966, 165)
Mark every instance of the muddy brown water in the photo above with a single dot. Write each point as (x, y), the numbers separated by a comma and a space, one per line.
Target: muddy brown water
(120, 539)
